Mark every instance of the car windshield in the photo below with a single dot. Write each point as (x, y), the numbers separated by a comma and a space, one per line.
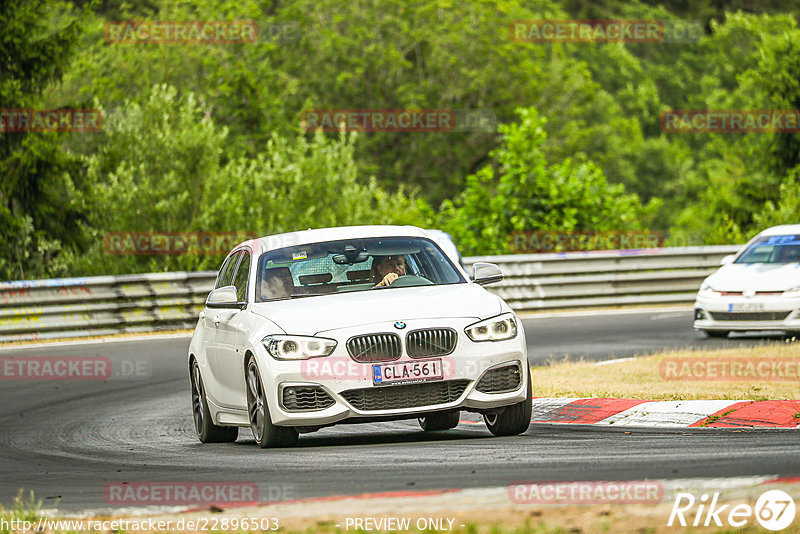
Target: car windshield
(773, 249)
(352, 265)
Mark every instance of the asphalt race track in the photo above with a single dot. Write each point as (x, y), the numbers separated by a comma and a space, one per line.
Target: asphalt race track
(591, 335)
(66, 440)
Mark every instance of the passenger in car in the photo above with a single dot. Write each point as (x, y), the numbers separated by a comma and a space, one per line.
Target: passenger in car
(387, 269)
(276, 283)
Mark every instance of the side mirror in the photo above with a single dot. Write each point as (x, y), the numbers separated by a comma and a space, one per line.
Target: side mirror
(727, 259)
(223, 297)
(486, 273)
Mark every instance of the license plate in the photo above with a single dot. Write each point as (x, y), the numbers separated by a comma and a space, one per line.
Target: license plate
(745, 307)
(405, 372)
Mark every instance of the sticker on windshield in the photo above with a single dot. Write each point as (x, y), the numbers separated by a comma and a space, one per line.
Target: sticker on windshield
(302, 255)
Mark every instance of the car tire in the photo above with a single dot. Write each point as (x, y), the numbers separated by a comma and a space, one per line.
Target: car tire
(439, 421)
(515, 419)
(717, 333)
(205, 428)
(265, 433)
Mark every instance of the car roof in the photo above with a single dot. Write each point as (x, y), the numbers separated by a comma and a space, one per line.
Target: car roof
(319, 235)
(781, 230)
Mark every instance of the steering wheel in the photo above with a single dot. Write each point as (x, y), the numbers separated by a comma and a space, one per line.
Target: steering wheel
(409, 280)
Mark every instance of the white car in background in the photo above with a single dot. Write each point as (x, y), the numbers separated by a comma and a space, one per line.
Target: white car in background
(756, 289)
(299, 334)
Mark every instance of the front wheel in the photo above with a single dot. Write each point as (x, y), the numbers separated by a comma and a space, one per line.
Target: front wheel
(265, 433)
(206, 430)
(439, 421)
(515, 419)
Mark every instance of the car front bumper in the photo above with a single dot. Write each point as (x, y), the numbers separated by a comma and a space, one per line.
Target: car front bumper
(737, 313)
(353, 394)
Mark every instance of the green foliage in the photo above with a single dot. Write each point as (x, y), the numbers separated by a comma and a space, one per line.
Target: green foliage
(207, 137)
(24, 508)
(162, 168)
(527, 193)
(785, 209)
(416, 53)
(238, 83)
(739, 181)
(280, 190)
(778, 76)
(38, 206)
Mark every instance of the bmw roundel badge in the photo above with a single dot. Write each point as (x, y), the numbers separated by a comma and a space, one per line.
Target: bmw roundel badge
(399, 325)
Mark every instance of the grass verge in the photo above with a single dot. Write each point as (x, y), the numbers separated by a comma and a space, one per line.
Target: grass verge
(644, 377)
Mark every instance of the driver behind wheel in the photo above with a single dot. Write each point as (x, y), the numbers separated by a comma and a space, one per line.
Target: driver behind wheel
(276, 283)
(387, 269)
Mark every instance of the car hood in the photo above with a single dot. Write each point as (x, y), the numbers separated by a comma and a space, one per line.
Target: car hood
(757, 276)
(311, 315)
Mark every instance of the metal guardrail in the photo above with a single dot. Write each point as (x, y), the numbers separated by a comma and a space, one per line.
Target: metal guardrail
(101, 305)
(604, 278)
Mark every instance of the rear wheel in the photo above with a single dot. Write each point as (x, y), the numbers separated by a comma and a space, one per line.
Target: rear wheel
(515, 419)
(439, 421)
(206, 430)
(717, 333)
(265, 433)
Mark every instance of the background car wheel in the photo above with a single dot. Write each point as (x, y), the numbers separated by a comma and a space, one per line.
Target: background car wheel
(439, 421)
(717, 333)
(206, 430)
(265, 433)
(515, 419)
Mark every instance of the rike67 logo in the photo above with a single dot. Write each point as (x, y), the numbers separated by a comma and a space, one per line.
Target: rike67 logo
(774, 510)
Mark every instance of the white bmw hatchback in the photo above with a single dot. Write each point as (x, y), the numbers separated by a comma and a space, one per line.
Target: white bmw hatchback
(757, 289)
(353, 324)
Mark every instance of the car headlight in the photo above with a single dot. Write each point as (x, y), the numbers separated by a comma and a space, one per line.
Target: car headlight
(495, 329)
(793, 292)
(708, 292)
(283, 347)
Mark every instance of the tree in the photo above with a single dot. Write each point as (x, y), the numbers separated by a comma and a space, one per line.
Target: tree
(522, 192)
(739, 182)
(163, 167)
(39, 207)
